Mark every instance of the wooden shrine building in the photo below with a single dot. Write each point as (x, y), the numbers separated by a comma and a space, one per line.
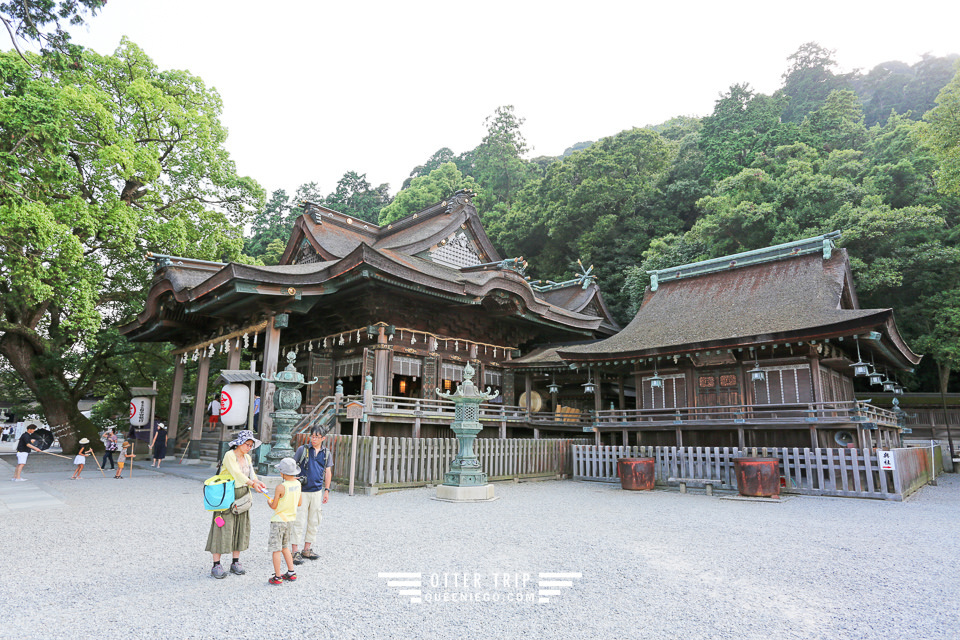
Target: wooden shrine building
(408, 305)
(756, 349)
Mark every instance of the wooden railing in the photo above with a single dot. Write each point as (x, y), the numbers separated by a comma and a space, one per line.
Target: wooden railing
(394, 463)
(845, 412)
(822, 472)
(823, 413)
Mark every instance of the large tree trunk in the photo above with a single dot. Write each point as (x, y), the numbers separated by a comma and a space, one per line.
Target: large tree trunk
(944, 371)
(52, 390)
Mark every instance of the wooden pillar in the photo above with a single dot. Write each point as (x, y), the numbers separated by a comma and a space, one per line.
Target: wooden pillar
(626, 438)
(173, 418)
(271, 357)
(536, 434)
(233, 357)
(383, 365)
(679, 438)
(200, 401)
(813, 438)
(528, 386)
(597, 395)
(741, 438)
(623, 394)
(638, 384)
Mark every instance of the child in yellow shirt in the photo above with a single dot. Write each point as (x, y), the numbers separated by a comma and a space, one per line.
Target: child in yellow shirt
(285, 501)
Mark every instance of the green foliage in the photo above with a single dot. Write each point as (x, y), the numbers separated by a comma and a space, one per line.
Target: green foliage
(896, 87)
(41, 22)
(809, 80)
(743, 126)
(355, 197)
(838, 124)
(426, 190)
(498, 165)
(594, 205)
(99, 165)
(942, 135)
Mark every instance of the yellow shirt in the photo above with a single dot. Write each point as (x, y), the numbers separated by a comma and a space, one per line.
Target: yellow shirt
(286, 510)
(241, 470)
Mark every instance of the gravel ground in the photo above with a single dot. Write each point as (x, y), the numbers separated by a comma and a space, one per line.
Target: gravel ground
(126, 557)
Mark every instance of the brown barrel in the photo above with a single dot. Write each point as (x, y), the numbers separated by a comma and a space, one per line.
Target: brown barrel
(758, 477)
(636, 474)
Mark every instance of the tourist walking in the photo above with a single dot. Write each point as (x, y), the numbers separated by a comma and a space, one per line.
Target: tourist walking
(24, 446)
(159, 444)
(214, 410)
(316, 463)
(110, 446)
(81, 458)
(230, 532)
(286, 499)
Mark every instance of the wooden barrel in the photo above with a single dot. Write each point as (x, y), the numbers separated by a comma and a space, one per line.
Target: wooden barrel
(758, 477)
(636, 474)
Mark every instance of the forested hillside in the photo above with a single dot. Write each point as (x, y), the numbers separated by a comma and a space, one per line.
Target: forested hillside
(873, 154)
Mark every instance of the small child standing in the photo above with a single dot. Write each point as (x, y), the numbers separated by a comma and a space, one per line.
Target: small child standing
(81, 458)
(285, 501)
(123, 458)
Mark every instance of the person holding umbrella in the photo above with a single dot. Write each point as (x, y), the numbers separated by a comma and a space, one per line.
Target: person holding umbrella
(24, 445)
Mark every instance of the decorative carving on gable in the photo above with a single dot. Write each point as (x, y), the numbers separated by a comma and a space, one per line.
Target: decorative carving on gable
(457, 251)
(305, 254)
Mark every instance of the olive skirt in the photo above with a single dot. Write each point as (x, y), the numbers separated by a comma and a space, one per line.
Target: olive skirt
(234, 535)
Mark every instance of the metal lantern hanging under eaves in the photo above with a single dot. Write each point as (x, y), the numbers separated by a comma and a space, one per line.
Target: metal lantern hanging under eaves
(757, 374)
(656, 381)
(860, 368)
(588, 386)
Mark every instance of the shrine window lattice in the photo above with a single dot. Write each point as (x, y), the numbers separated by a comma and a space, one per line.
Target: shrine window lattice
(306, 254)
(492, 378)
(452, 372)
(458, 252)
(349, 367)
(407, 366)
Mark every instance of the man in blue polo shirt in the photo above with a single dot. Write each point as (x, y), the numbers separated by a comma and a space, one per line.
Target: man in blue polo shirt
(316, 461)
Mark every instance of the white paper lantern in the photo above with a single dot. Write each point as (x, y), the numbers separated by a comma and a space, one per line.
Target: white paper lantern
(139, 411)
(234, 401)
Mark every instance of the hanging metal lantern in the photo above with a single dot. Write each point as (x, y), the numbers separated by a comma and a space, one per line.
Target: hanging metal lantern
(876, 378)
(553, 388)
(588, 386)
(656, 381)
(860, 368)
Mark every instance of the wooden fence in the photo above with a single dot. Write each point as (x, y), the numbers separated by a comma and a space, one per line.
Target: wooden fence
(820, 472)
(394, 463)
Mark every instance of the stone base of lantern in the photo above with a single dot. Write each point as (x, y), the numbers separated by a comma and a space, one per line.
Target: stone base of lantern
(482, 493)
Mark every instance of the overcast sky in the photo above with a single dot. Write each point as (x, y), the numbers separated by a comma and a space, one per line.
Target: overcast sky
(312, 89)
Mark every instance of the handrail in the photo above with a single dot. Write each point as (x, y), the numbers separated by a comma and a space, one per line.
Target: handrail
(309, 419)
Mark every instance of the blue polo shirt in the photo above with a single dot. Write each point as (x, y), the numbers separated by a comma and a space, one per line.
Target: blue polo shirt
(313, 467)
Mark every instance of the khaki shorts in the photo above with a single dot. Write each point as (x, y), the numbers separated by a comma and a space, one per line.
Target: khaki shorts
(281, 536)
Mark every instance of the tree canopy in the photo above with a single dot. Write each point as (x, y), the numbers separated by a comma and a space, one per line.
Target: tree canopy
(99, 165)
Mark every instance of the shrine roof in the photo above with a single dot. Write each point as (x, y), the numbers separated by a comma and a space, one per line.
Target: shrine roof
(790, 296)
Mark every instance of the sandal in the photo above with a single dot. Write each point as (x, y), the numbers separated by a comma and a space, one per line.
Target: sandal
(290, 575)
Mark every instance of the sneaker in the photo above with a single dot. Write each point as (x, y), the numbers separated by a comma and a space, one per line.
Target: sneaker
(218, 572)
(275, 579)
(298, 558)
(290, 575)
(237, 568)
(310, 554)
(19, 479)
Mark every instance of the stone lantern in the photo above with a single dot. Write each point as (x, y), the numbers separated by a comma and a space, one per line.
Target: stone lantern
(466, 481)
(286, 401)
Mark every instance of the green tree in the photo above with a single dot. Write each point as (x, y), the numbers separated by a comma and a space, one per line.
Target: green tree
(809, 80)
(838, 124)
(99, 165)
(355, 197)
(743, 126)
(40, 22)
(269, 224)
(442, 156)
(942, 135)
(426, 190)
(500, 168)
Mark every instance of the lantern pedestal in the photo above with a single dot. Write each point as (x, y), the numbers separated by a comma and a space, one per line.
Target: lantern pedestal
(450, 493)
(286, 401)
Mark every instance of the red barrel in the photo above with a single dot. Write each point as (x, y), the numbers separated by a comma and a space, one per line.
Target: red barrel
(759, 477)
(636, 474)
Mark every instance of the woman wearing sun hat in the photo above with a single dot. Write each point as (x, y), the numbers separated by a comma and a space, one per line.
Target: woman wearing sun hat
(81, 458)
(233, 536)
